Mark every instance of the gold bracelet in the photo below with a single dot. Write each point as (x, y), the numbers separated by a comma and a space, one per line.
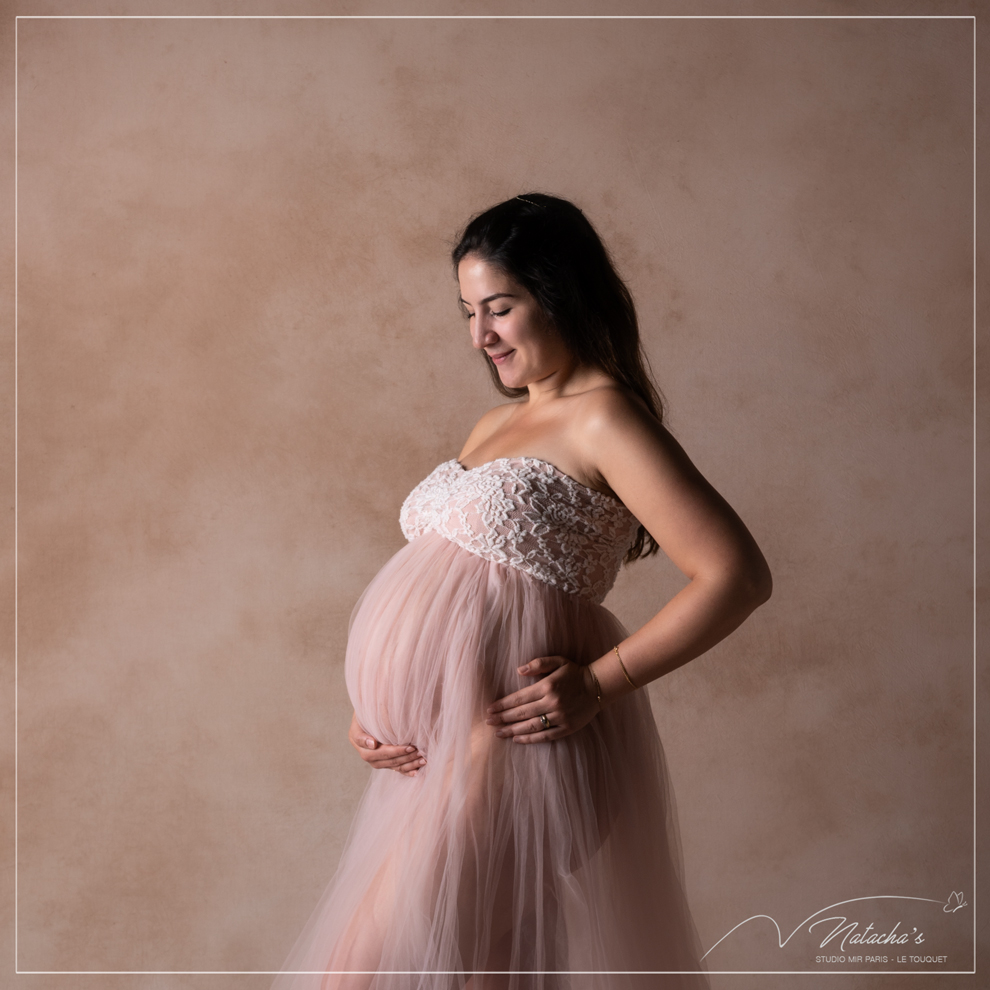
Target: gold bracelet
(623, 666)
(598, 687)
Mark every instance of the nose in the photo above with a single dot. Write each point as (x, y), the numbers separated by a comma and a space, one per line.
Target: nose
(482, 332)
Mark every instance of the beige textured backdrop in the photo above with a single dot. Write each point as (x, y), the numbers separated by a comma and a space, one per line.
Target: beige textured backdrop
(239, 349)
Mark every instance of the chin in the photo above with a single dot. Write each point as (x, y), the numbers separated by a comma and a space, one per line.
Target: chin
(513, 377)
(510, 383)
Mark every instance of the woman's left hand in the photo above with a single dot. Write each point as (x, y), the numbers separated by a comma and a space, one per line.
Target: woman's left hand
(564, 693)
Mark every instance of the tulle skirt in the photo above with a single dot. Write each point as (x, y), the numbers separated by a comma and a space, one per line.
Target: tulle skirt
(499, 866)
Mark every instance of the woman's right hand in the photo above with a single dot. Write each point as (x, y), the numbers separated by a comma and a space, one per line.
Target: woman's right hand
(405, 759)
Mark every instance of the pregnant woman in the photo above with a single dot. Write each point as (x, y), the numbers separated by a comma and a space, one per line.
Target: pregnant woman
(521, 834)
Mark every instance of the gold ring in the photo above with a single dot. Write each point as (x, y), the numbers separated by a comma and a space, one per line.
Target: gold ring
(545, 722)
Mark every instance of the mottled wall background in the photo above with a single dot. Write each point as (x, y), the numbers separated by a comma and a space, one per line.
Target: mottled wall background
(238, 349)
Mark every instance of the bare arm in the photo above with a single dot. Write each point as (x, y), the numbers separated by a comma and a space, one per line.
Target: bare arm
(620, 444)
(695, 527)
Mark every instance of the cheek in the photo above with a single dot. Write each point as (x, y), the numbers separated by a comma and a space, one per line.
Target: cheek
(527, 331)
(538, 343)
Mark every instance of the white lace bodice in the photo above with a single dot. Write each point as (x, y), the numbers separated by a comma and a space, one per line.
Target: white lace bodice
(526, 513)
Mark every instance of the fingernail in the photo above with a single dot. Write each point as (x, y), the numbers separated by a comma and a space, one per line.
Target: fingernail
(369, 742)
(500, 734)
(410, 749)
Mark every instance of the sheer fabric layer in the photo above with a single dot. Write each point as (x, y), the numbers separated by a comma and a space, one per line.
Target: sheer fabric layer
(497, 856)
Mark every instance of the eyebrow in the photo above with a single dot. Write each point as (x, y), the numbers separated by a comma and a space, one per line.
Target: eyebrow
(487, 299)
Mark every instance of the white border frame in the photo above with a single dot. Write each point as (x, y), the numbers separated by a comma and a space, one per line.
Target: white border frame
(469, 17)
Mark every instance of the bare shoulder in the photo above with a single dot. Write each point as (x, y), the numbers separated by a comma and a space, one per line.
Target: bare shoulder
(611, 414)
(486, 426)
(638, 458)
(619, 436)
(611, 407)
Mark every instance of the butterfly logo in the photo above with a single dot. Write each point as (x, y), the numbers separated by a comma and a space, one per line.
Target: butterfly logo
(954, 903)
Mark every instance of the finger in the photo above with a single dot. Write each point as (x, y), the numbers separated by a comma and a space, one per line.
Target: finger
(542, 665)
(525, 696)
(361, 738)
(533, 724)
(534, 692)
(401, 767)
(387, 752)
(547, 735)
(546, 703)
(506, 721)
(383, 754)
(409, 769)
(363, 741)
(405, 760)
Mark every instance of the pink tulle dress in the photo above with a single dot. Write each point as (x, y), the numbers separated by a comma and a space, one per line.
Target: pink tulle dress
(552, 866)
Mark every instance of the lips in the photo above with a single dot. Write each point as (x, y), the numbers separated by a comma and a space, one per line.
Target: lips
(499, 358)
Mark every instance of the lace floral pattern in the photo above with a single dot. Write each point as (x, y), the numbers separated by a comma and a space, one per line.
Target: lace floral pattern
(526, 513)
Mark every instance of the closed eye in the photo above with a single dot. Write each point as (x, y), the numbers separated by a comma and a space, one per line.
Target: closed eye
(503, 312)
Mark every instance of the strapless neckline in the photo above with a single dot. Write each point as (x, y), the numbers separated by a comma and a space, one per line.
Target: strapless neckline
(539, 460)
(527, 513)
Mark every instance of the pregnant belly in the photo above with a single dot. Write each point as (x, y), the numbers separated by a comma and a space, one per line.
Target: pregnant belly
(440, 632)
(414, 649)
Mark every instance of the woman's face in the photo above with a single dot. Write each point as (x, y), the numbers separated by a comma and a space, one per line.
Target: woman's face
(508, 324)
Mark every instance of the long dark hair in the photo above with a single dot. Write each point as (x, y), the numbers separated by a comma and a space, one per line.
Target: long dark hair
(550, 247)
